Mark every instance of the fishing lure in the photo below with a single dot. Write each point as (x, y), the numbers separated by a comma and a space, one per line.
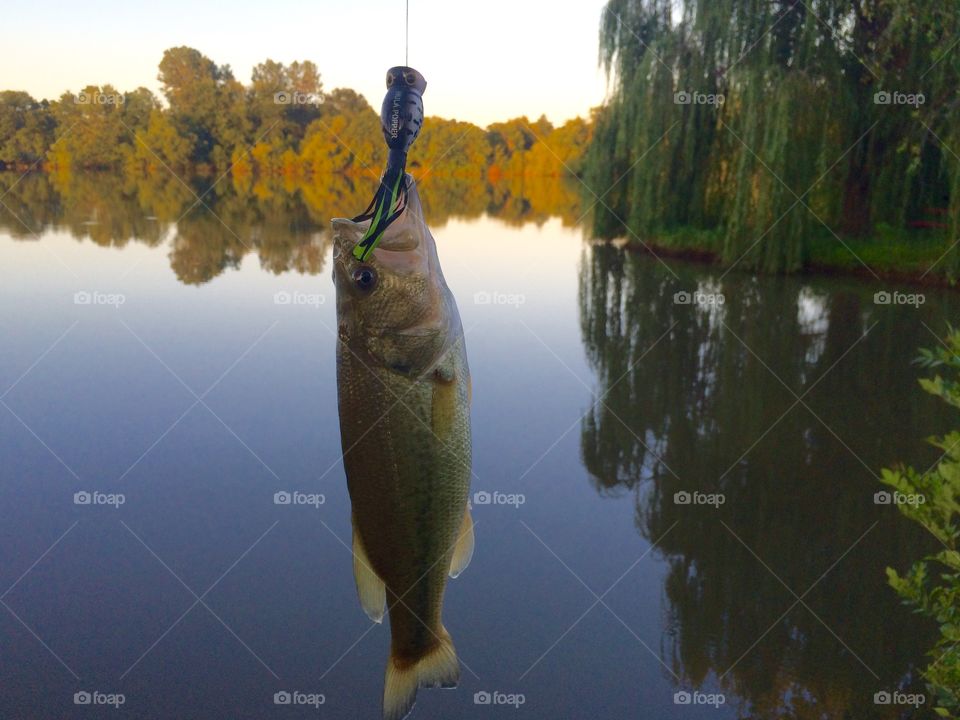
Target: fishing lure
(401, 118)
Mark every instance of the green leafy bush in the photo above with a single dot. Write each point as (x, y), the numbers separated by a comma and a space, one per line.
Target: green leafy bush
(932, 585)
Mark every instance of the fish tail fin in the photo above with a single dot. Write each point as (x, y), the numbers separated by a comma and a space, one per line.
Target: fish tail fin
(438, 668)
(386, 206)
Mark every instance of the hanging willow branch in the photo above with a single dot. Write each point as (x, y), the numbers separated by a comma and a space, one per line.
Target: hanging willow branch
(805, 133)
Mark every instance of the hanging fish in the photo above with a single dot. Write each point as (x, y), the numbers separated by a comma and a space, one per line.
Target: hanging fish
(403, 388)
(401, 117)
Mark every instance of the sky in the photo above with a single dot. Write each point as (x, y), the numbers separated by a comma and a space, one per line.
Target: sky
(483, 62)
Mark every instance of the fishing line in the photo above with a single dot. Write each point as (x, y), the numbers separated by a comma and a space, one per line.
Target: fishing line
(401, 117)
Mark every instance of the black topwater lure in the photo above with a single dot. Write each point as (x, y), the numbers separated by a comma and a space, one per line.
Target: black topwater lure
(400, 119)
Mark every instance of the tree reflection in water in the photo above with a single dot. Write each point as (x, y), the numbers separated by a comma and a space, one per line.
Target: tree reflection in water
(700, 397)
(211, 224)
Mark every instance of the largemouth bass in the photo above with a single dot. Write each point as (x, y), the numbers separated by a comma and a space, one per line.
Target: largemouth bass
(404, 398)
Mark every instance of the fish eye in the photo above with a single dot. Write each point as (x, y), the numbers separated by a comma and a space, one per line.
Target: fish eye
(390, 79)
(410, 78)
(365, 278)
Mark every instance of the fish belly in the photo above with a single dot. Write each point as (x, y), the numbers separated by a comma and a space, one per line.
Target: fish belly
(407, 454)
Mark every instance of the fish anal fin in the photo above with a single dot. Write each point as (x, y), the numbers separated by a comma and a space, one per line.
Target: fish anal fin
(437, 668)
(370, 588)
(463, 550)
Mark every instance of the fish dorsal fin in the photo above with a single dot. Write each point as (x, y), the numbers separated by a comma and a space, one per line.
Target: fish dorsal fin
(463, 551)
(370, 588)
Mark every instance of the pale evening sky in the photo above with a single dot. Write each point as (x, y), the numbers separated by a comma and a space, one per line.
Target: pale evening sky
(483, 61)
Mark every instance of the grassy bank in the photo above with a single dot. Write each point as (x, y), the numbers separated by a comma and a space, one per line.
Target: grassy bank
(902, 255)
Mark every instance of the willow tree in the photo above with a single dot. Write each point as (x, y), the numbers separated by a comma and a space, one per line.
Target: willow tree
(776, 120)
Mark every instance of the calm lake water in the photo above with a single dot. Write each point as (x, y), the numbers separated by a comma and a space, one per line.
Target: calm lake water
(185, 360)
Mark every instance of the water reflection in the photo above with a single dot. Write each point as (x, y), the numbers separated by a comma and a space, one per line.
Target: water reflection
(213, 223)
(698, 397)
(687, 407)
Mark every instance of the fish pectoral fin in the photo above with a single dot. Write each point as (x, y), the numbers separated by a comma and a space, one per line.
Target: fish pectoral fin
(463, 550)
(438, 668)
(370, 588)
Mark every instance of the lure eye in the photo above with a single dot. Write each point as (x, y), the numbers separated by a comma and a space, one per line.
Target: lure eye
(390, 79)
(410, 78)
(365, 278)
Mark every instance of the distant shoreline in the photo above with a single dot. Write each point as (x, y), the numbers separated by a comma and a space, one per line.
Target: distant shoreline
(915, 251)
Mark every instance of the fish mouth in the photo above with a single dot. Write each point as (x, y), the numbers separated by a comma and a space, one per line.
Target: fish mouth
(407, 233)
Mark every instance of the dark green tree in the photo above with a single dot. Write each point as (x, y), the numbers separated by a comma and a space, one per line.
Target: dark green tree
(770, 121)
(206, 103)
(26, 129)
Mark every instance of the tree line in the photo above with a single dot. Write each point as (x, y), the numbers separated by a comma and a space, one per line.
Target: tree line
(282, 122)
